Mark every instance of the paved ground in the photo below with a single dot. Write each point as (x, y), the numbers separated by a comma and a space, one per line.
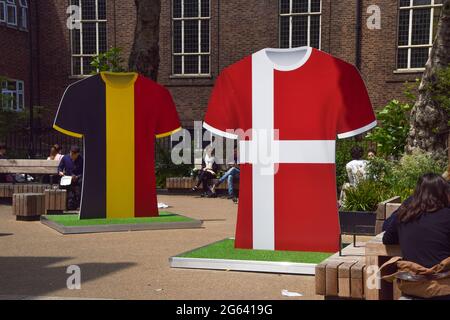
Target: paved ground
(131, 265)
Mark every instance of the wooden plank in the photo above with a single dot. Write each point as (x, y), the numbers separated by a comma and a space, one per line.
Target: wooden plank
(331, 276)
(344, 279)
(370, 290)
(357, 280)
(320, 278)
(391, 208)
(375, 247)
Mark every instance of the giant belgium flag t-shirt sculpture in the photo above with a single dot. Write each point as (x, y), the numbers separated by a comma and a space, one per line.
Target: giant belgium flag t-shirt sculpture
(118, 115)
(294, 102)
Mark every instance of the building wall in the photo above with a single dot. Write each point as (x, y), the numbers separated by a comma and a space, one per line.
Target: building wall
(238, 28)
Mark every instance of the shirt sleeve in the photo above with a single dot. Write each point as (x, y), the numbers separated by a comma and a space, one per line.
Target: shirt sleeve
(69, 118)
(356, 114)
(220, 117)
(167, 122)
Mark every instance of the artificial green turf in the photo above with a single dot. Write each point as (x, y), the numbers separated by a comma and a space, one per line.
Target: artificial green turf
(225, 250)
(70, 220)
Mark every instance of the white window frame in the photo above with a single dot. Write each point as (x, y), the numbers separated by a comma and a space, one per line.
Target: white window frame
(15, 95)
(3, 7)
(199, 53)
(23, 14)
(82, 55)
(11, 4)
(410, 46)
(309, 14)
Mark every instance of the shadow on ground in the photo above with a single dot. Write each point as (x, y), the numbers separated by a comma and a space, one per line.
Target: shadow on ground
(38, 276)
(5, 234)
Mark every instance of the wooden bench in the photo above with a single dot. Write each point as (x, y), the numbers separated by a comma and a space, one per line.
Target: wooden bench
(342, 277)
(384, 211)
(55, 201)
(28, 206)
(186, 183)
(376, 254)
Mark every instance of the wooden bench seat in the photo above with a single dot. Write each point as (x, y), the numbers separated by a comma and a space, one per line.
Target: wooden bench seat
(186, 183)
(28, 206)
(342, 276)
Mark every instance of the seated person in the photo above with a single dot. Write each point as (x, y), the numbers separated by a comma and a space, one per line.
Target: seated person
(356, 171)
(421, 226)
(229, 176)
(207, 172)
(72, 165)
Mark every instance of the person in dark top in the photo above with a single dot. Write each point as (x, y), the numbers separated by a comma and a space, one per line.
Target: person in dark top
(72, 165)
(422, 224)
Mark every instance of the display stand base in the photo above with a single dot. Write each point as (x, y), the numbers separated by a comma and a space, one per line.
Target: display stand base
(188, 223)
(192, 260)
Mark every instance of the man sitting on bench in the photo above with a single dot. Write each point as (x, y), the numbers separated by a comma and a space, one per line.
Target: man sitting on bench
(229, 176)
(71, 165)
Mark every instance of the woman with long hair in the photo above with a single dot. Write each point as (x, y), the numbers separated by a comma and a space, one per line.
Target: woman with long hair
(421, 226)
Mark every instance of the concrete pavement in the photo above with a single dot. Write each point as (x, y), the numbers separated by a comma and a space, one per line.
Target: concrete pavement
(132, 265)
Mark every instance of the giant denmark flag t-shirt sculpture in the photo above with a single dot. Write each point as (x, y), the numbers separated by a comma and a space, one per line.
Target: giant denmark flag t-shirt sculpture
(286, 107)
(118, 115)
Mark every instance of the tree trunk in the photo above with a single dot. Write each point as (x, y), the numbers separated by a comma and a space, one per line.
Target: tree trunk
(144, 57)
(429, 120)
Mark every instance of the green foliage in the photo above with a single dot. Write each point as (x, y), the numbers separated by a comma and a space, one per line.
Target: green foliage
(365, 197)
(439, 90)
(392, 132)
(400, 177)
(110, 60)
(165, 168)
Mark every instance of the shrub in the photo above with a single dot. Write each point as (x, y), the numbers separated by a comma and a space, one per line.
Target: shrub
(392, 132)
(364, 197)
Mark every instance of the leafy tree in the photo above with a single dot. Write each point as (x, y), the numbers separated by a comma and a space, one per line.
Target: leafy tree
(110, 60)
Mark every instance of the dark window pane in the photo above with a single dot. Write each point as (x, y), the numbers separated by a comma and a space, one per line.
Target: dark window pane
(176, 8)
(76, 66)
(88, 11)
(299, 31)
(205, 8)
(421, 26)
(315, 5)
(102, 9)
(284, 32)
(177, 64)
(299, 6)
(89, 38)
(403, 28)
(405, 3)
(205, 35)
(177, 36)
(191, 36)
(421, 2)
(191, 8)
(102, 41)
(87, 68)
(284, 6)
(402, 59)
(205, 64)
(191, 64)
(315, 32)
(419, 57)
(76, 41)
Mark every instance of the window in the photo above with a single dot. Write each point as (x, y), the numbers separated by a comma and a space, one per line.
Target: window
(23, 14)
(2, 11)
(90, 39)
(13, 97)
(417, 26)
(300, 23)
(191, 37)
(11, 13)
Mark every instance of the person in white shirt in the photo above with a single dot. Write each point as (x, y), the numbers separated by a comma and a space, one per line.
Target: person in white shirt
(55, 153)
(207, 172)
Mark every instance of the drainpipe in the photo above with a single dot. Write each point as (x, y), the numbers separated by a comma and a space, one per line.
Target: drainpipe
(359, 6)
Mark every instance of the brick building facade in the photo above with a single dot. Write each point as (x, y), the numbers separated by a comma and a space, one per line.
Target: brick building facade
(47, 56)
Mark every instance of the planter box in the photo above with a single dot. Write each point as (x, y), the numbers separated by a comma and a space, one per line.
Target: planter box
(361, 223)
